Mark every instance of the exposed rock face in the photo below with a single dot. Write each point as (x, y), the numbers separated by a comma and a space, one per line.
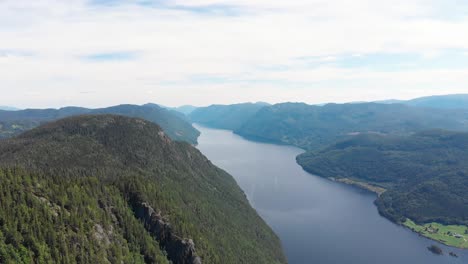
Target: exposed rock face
(179, 250)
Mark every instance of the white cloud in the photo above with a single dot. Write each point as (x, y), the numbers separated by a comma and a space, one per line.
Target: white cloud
(175, 44)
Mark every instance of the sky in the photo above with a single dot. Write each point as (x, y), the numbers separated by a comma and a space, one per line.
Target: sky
(99, 53)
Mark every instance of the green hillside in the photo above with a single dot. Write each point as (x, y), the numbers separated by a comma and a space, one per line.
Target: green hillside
(313, 127)
(425, 174)
(113, 189)
(175, 124)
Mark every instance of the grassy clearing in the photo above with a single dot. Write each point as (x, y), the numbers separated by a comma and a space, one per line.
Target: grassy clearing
(363, 185)
(451, 235)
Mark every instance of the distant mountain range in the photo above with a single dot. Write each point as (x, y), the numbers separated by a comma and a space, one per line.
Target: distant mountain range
(184, 109)
(401, 150)
(226, 116)
(316, 126)
(413, 152)
(173, 123)
(312, 127)
(8, 108)
(452, 101)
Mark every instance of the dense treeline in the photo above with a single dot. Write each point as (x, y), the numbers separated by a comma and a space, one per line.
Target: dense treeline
(175, 124)
(79, 175)
(425, 174)
(55, 219)
(12, 128)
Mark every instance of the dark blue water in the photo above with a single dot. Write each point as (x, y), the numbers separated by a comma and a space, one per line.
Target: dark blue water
(318, 221)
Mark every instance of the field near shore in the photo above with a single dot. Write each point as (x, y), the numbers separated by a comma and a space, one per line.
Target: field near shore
(446, 234)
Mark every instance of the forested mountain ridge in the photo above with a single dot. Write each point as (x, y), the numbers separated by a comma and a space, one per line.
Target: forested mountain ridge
(396, 150)
(105, 188)
(425, 174)
(175, 124)
(313, 127)
(225, 116)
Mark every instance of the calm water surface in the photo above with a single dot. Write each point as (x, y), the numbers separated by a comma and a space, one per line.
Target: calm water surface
(318, 221)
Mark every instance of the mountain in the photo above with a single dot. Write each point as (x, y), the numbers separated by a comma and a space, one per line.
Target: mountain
(226, 116)
(451, 101)
(8, 108)
(390, 101)
(313, 127)
(114, 189)
(175, 124)
(185, 109)
(425, 174)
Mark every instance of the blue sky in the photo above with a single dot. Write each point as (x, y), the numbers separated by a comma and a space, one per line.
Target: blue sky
(102, 52)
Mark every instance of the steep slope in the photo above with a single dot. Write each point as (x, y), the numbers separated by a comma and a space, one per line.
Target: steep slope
(175, 125)
(425, 174)
(313, 127)
(225, 116)
(105, 188)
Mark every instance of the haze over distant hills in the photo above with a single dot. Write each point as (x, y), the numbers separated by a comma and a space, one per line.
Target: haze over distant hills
(451, 101)
(174, 123)
(185, 109)
(313, 127)
(8, 108)
(226, 116)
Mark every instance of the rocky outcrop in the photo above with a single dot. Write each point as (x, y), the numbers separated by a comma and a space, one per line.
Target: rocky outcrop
(179, 250)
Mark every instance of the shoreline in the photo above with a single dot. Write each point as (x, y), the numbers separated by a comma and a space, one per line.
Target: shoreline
(379, 191)
(362, 185)
(358, 184)
(409, 224)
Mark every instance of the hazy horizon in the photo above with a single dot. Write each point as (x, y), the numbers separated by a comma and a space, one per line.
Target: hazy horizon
(97, 53)
(174, 106)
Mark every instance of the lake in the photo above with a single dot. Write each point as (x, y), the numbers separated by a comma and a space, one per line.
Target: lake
(317, 220)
